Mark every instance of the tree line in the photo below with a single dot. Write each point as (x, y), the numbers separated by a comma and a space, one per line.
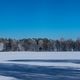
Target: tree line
(39, 44)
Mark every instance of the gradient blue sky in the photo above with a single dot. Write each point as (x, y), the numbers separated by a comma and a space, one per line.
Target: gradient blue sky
(40, 18)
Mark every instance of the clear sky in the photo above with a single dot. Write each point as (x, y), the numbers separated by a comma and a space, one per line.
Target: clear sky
(40, 18)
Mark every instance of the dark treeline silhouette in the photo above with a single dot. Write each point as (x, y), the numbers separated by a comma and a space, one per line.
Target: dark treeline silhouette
(40, 44)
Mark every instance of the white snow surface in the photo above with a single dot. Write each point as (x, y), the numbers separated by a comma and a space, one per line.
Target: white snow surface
(40, 55)
(7, 78)
(4, 56)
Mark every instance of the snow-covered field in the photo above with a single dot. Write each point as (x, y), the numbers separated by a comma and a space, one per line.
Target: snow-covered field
(7, 78)
(59, 60)
(39, 55)
(5, 56)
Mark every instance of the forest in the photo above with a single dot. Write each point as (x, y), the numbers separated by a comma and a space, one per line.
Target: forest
(39, 44)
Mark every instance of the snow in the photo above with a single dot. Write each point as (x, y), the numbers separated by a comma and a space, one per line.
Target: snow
(4, 56)
(40, 55)
(50, 64)
(7, 78)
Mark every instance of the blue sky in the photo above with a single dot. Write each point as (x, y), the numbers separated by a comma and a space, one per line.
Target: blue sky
(40, 18)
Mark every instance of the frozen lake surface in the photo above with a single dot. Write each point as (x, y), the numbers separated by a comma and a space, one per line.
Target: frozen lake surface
(40, 66)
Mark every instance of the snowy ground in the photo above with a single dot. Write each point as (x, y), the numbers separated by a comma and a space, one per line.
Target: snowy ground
(39, 55)
(63, 60)
(5, 56)
(7, 78)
